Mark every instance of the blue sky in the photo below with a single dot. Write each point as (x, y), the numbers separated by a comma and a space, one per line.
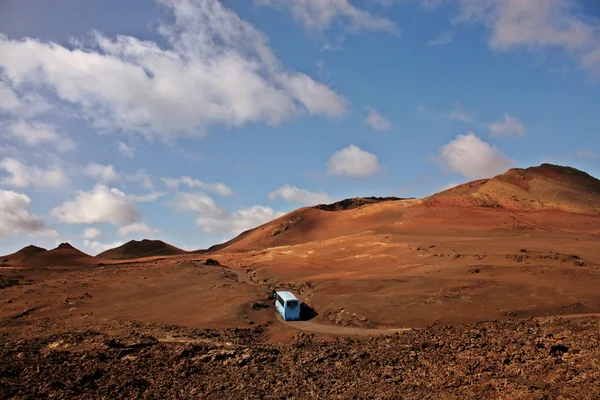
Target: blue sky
(192, 120)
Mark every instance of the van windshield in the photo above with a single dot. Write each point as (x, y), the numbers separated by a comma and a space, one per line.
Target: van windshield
(292, 304)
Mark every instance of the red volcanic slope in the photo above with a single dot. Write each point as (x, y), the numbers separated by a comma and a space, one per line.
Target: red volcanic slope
(63, 255)
(21, 255)
(139, 249)
(544, 197)
(547, 187)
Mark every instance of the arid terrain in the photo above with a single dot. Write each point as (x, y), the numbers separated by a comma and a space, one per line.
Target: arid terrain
(486, 290)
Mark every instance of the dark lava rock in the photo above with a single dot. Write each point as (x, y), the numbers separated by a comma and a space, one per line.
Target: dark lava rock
(259, 305)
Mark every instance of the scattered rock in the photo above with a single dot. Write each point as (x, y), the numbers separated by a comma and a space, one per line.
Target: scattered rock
(285, 225)
(558, 350)
(257, 305)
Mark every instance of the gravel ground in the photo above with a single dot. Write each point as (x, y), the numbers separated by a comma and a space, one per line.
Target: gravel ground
(100, 359)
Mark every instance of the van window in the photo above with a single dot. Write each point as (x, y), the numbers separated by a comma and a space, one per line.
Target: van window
(292, 304)
(280, 300)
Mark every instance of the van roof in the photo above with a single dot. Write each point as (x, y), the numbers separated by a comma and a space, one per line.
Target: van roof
(287, 296)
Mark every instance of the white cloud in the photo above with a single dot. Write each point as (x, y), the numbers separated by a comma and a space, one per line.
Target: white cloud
(91, 233)
(16, 105)
(354, 162)
(473, 158)
(458, 113)
(442, 40)
(146, 198)
(22, 175)
(136, 227)
(377, 121)
(127, 151)
(142, 178)
(211, 67)
(218, 188)
(36, 134)
(510, 126)
(196, 202)
(319, 15)
(101, 204)
(239, 221)
(15, 215)
(538, 24)
(213, 218)
(102, 173)
(97, 247)
(303, 196)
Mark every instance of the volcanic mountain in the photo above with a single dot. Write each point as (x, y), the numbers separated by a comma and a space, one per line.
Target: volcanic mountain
(142, 248)
(548, 197)
(547, 187)
(21, 255)
(64, 255)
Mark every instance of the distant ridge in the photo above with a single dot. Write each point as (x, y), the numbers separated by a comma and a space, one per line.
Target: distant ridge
(141, 248)
(546, 187)
(543, 197)
(21, 255)
(64, 255)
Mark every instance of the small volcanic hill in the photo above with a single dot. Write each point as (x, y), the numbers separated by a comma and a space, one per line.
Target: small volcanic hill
(544, 197)
(547, 187)
(139, 249)
(63, 255)
(21, 255)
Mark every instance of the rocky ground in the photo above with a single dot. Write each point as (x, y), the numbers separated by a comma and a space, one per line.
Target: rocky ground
(92, 358)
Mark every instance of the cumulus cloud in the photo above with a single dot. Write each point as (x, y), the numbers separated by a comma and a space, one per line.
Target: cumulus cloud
(218, 188)
(38, 134)
(376, 120)
(22, 175)
(127, 151)
(354, 162)
(96, 247)
(101, 204)
(213, 219)
(102, 173)
(319, 15)
(239, 221)
(15, 215)
(136, 227)
(211, 67)
(303, 196)
(199, 202)
(473, 158)
(535, 25)
(458, 113)
(91, 233)
(510, 126)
